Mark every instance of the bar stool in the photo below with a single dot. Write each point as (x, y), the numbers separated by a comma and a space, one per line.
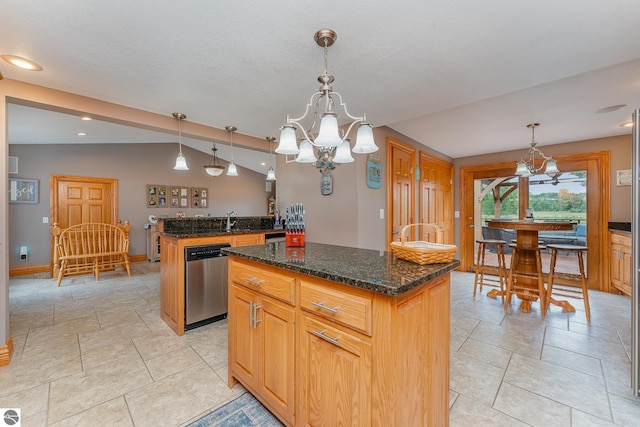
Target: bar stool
(516, 272)
(482, 268)
(563, 281)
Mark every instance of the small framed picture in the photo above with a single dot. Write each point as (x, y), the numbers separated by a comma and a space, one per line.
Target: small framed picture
(22, 190)
(198, 197)
(175, 202)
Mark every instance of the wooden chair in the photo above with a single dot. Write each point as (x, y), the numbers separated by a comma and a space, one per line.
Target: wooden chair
(563, 284)
(482, 268)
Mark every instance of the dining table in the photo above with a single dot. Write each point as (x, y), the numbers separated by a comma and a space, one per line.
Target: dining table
(527, 237)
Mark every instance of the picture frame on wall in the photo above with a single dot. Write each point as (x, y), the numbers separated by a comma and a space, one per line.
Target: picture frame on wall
(199, 197)
(179, 197)
(23, 190)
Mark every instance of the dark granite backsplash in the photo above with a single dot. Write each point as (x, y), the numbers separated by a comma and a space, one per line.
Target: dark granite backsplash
(620, 226)
(215, 224)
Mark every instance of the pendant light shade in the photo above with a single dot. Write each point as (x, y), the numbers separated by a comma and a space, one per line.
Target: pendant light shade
(181, 162)
(343, 153)
(287, 141)
(329, 135)
(364, 140)
(231, 169)
(306, 153)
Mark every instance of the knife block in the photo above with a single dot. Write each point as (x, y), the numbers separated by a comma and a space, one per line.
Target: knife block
(294, 239)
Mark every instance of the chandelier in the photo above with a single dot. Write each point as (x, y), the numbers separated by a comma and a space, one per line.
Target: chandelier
(181, 162)
(323, 136)
(527, 167)
(214, 168)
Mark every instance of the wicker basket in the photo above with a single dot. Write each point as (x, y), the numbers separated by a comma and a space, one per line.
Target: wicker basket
(421, 252)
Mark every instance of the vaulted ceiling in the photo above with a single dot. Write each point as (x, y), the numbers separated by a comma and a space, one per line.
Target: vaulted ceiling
(462, 77)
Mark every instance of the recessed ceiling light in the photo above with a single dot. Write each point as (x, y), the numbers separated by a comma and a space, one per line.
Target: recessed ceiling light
(626, 124)
(86, 118)
(611, 108)
(263, 164)
(82, 134)
(20, 62)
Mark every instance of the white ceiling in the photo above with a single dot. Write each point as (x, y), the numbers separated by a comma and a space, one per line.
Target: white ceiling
(462, 77)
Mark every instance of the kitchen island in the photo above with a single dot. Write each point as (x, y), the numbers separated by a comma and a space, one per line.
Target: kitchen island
(331, 335)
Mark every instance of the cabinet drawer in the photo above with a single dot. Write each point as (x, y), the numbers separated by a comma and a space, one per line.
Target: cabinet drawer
(621, 239)
(265, 281)
(352, 309)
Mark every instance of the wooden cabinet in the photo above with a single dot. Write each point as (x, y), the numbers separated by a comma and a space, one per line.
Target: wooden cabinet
(361, 358)
(335, 376)
(261, 339)
(153, 243)
(247, 239)
(620, 259)
(172, 285)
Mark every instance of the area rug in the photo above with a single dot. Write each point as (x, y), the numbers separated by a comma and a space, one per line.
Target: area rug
(243, 411)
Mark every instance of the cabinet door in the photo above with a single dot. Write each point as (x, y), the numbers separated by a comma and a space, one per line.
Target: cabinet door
(625, 273)
(615, 266)
(276, 327)
(244, 357)
(335, 373)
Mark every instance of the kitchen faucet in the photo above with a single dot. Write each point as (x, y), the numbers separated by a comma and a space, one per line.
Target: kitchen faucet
(229, 222)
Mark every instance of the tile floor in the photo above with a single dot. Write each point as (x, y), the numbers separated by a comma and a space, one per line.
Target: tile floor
(97, 353)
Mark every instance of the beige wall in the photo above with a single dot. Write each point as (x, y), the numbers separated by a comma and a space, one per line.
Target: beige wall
(134, 166)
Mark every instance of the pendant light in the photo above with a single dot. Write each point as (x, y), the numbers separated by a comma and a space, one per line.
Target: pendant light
(529, 167)
(271, 174)
(214, 168)
(231, 169)
(181, 162)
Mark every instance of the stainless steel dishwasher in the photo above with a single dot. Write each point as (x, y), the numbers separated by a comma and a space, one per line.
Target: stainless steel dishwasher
(206, 287)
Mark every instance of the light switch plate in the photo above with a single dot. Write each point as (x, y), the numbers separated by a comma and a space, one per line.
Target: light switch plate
(45, 220)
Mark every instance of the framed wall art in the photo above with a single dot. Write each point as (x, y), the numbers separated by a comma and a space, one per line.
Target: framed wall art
(23, 190)
(157, 196)
(199, 197)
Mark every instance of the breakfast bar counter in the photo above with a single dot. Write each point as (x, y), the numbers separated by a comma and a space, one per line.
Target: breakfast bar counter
(331, 335)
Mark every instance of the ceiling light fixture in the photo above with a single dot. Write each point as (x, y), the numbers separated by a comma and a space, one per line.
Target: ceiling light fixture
(214, 168)
(323, 132)
(231, 170)
(626, 124)
(23, 63)
(528, 167)
(271, 174)
(181, 162)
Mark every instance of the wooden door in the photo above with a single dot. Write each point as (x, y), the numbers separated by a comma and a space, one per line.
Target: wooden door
(401, 188)
(436, 195)
(79, 199)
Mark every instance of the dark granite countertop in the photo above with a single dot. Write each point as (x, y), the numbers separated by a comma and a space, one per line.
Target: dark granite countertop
(378, 271)
(216, 233)
(620, 226)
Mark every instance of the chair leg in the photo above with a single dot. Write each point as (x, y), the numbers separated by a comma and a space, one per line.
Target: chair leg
(501, 270)
(552, 270)
(63, 266)
(585, 290)
(541, 293)
(478, 268)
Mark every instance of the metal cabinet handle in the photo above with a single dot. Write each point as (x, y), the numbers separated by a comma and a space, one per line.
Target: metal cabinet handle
(253, 281)
(324, 307)
(256, 307)
(321, 335)
(250, 313)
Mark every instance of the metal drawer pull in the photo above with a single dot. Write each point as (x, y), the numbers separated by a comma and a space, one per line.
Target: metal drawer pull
(250, 313)
(324, 307)
(321, 335)
(253, 281)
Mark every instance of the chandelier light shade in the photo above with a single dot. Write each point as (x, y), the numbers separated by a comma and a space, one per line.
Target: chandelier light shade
(181, 162)
(214, 168)
(271, 174)
(231, 169)
(324, 132)
(536, 161)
